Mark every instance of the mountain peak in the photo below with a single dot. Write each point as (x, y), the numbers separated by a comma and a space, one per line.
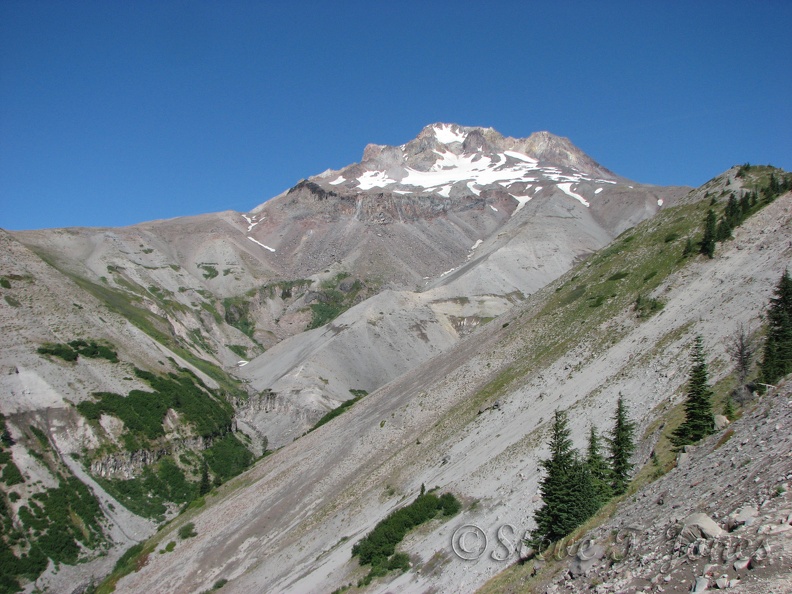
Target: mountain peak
(450, 160)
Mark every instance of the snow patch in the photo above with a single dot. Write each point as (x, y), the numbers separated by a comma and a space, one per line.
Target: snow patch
(402, 192)
(251, 222)
(445, 192)
(266, 247)
(340, 180)
(523, 200)
(598, 190)
(374, 179)
(446, 134)
(493, 208)
(520, 157)
(478, 243)
(451, 168)
(472, 189)
(659, 202)
(567, 189)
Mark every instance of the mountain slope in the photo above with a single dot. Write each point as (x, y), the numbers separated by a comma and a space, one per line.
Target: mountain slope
(210, 321)
(278, 527)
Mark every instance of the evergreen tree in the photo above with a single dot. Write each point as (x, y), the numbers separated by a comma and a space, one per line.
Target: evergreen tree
(598, 468)
(688, 248)
(710, 233)
(699, 421)
(777, 354)
(568, 494)
(745, 206)
(622, 447)
(728, 409)
(724, 230)
(732, 211)
(205, 486)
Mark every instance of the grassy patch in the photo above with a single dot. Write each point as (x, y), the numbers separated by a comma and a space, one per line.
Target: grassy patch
(238, 349)
(72, 350)
(343, 407)
(237, 314)
(209, 271)
(378, 547)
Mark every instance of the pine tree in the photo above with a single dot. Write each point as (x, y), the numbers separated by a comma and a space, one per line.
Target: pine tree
(622, 447)
(598, 467)
(688, 248)
(568, 494)
(728, 409)
(745, 206)
(710, 233)
(732, 211)
(777, 353)
(699, 421)
(724, 230)
(205, 486)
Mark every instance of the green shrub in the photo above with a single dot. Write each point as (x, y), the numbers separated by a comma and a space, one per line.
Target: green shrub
(187, 531)
(227, 457)
(379, 544)
(597, 301)
(128, 557)
(647, 306)
(5, 283)
(75, 348)
(63, 351)
(143, 412)
(618, 276)
(339, 409)
(209, 271)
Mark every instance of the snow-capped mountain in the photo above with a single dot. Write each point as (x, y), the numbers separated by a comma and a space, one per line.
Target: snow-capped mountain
(450, 160)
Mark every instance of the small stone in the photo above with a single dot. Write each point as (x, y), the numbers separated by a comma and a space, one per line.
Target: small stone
(722, 582)
(741, 564)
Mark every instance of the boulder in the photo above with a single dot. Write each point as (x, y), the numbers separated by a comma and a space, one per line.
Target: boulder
(721, 422)
(700, 525)
(746, 515)
(700, 585)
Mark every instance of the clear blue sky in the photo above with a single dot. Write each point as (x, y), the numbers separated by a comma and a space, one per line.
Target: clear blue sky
(113, 113)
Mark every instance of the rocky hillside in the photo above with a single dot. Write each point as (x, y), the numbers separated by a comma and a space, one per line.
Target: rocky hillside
(720, 519)
(473, 420)
(145, 367)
